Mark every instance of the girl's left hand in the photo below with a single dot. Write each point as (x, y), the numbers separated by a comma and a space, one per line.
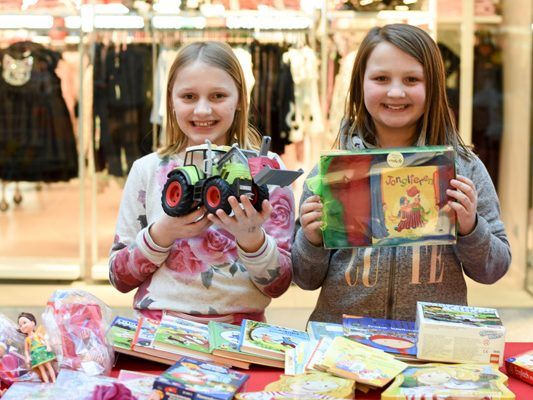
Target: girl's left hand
(245, 224)
(466, 205)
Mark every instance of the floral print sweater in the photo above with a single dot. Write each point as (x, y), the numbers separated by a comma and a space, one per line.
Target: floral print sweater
(208, 275)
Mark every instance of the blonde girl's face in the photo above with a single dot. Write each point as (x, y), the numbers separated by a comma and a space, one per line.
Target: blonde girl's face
(394, 94)
(25, 325)
(205, 99)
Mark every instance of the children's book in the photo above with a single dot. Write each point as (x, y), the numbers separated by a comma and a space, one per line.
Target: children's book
(318, 383)
(316, 358)
(455, 333)
(521, 366)
(144, 343)
(393, 336)
(140, 384)
(194, 379)
(175, 333)
(224, 342)
(268, 340)
(297, 358)
(400, 196)
(121, 333)
(318, 329)
(449, 381)
(264, 395)
(364, 364)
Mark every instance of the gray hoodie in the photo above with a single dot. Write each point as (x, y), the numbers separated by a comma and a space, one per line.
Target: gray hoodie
(386, 282)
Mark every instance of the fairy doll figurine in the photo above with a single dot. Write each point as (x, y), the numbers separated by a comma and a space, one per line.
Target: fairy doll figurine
(37, 351)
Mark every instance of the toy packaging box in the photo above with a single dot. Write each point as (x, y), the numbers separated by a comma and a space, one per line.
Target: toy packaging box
(521, 366)
(454, 333)
(386, 197)
(194, 379)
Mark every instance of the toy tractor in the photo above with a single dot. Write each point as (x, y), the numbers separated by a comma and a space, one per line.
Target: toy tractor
(211, 174)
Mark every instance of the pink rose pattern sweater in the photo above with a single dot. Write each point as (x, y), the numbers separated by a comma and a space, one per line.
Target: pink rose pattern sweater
(205, 275)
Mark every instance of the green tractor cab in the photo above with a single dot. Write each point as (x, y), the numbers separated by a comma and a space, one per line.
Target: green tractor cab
(211, 174)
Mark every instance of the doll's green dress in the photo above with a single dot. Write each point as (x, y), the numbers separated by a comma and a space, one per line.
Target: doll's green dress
(38, 352)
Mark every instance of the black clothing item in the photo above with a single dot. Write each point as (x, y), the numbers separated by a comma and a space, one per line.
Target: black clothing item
(122, 104)
(270, 99)
(36, 137)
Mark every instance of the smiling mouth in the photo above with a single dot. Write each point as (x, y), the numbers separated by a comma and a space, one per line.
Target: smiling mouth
(203, 124)
(395, 107)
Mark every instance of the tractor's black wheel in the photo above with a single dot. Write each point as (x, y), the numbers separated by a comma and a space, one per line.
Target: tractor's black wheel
(177, 196)
(259, 193)
(215, 195)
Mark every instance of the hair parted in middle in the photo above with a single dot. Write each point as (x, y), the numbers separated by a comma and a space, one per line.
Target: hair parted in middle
(437, 125)
(219, 55)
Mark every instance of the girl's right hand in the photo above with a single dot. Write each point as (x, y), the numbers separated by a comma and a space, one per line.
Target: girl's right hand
(166, 230)
(311, 219)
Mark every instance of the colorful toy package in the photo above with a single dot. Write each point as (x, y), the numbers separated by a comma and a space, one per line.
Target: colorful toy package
(386, 197)
(76, 322)
(521, 366)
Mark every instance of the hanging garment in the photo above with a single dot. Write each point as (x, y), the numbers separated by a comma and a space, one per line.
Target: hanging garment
(36, 137)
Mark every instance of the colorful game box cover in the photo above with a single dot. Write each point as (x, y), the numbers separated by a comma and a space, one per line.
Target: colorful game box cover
(387, 197)
(521, 366)
(195, 379)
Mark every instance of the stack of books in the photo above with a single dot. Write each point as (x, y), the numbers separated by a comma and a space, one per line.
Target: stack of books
(174, 337)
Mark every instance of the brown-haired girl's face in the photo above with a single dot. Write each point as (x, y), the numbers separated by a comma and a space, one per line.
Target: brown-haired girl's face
(204, 99)
(394, 94)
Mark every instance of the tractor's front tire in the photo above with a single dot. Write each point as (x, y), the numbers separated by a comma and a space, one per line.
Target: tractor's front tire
(259, 193)
(177, 196)
(215, 195)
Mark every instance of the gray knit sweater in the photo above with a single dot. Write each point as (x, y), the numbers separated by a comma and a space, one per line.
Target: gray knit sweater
(387, 282)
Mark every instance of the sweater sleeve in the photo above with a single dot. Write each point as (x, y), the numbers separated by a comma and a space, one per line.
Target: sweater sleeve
(270, 267)
(310, 262)
(485, 253)
(134, 256)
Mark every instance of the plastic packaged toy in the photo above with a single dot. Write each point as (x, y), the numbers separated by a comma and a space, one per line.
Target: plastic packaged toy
(77, 322)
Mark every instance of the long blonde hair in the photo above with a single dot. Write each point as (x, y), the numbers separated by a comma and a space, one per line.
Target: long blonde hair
(437, 124)
(219, 55)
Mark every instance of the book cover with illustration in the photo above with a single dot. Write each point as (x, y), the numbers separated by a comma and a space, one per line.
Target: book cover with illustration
(318, 329)
(400, 195)
(449, 381)
(194, 379)
(317, 383)
(224, 342)
(393, 336)
(364, 364)
(174, 333)
(268, 340)
(521, 366)
(267, 395)
(456, 333)
(121, 333)
(139, 383)
(143, 340)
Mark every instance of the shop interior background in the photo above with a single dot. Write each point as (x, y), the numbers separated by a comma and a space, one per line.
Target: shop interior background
(104, 64)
